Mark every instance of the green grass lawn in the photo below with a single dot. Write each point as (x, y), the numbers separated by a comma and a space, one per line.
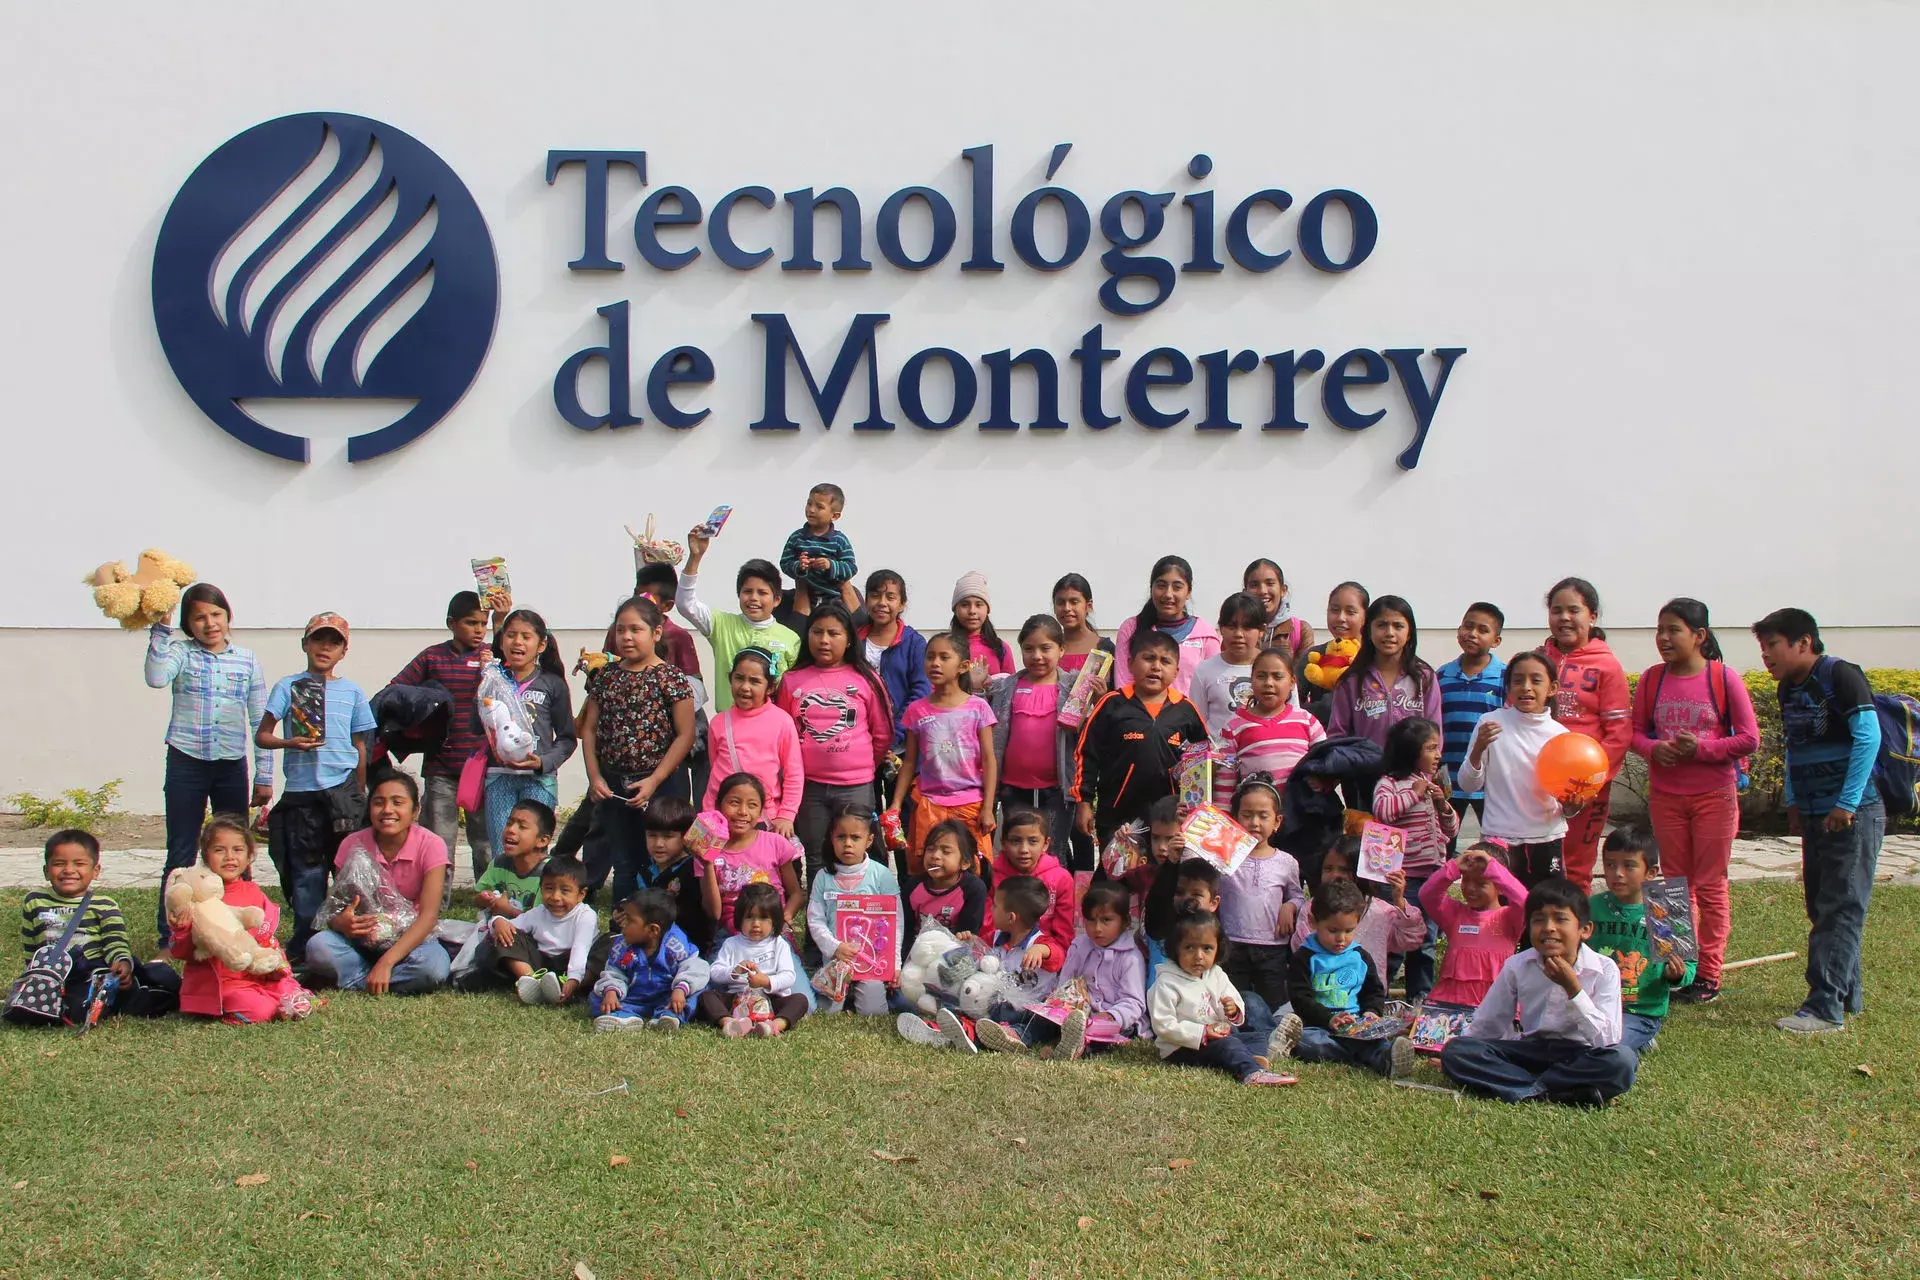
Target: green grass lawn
(445, 1136)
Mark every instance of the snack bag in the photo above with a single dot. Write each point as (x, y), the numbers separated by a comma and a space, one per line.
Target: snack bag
(716, 521)
(361, 878)
(1209, 833)
(832, 978)
(892, 830)
(648, 549)
(1126, 849)
(1074, 707)
(1382, 851)
(1670, 919)
(490, 579)
(709, 833)
(752, 1005)
(306, 708)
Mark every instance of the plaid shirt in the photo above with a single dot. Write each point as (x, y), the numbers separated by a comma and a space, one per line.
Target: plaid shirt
(458, 672)
(218, 698)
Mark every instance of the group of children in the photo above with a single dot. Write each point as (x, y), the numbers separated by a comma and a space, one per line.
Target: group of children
(834, 724)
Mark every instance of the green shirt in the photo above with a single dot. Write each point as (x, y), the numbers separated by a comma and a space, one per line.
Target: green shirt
(101, 937)
(501, 878)
(1620, 932)
(731, 633)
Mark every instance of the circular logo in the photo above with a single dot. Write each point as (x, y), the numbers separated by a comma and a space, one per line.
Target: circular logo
(325, 256)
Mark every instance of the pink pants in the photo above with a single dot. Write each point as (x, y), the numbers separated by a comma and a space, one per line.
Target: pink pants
(1696, 841)
(258, 1000)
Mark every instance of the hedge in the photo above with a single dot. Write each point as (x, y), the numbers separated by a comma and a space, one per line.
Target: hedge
(1763, 799)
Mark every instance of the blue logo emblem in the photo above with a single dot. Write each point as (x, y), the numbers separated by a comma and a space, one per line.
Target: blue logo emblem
(325, 256)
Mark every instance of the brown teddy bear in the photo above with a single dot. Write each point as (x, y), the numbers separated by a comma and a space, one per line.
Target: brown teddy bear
(144, 596)
(220, 931)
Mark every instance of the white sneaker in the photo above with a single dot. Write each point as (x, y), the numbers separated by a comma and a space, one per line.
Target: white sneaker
(549, 986)
(995, 1036)
(915, 1028)
(1402, 1059)
(1286, 1034)
(664, 1022)
(1073, 1035)
(619, 1022)
(956, 1031)
(527, 986)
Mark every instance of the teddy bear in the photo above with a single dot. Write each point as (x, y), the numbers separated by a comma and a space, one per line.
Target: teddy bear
(920, 973)
(1326, 664)
(221, 931)
(512, 742)
(144, 596)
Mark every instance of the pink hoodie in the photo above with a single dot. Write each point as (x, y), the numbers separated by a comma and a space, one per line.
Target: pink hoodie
(764, 743)
(1056, 926)
(1201, 643)
(1478, 942)
(846, 728)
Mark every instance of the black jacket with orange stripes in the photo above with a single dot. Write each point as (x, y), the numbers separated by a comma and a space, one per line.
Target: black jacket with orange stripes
(1128, 753)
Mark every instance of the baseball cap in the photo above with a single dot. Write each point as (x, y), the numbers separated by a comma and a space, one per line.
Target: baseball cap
(325, 622)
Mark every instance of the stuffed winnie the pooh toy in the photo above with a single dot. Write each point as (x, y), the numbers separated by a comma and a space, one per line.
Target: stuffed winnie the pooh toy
(1328, 662)
(220, 931)
(144, 596)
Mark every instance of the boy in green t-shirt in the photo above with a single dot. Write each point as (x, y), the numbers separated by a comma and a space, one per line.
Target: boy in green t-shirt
(1620, 932)
(512, 884)
(757, 587)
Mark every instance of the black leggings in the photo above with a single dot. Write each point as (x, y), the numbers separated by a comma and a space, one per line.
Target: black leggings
(714, 1006)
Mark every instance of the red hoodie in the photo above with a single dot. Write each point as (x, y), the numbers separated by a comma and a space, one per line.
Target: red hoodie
(1056, 926)
(1592, 697)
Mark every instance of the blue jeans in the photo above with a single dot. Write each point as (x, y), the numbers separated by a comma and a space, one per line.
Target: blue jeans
(1637, 1031)
(1838, 867)
(1515, 1070)
(190, 785)
(1319, 1045)
(332, 958)
(1256, 1028)
(504, 790)
(1228, 1055)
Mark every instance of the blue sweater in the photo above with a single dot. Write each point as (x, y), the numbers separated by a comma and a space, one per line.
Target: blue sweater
(903, 669)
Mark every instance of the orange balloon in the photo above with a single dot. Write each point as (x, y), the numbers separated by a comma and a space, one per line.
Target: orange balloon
(1572, 768)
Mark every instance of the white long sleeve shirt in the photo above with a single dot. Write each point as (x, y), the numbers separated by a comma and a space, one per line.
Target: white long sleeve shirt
(771, 955)
(573, 933)
(1592, 1017)
(1180, 1006)
(1518, 809)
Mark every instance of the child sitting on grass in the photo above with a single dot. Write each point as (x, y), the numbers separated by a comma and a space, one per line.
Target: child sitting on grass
(1193, 1007)
(1026, 849)
(557, 934)
(512, 884)
(1107, 960)
(99, 941)
(1390, 924)
(671, 867)
(1018, 952)
(754, 961)
(208, 988)
(1647, 982)
(1568, 1048)
(1483, 927)
(853, 872)
(946, 891)
(1332, 985)
(652, 969)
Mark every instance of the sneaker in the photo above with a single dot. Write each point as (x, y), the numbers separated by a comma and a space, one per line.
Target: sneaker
(1286, 1034)
(1402, 1065)
(735, 1028)
(918, 1030)
(619, 1022)
(527, 987)
(664, 1022)
(1270, 1077)
(1651, 1046)
(956, 1031)
(996, 1036)
(1073, 1035)
(549, 986)
(766, 1029)
(1803, 1023)
(1700, 992)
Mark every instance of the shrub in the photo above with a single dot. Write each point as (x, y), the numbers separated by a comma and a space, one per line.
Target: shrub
(76, 808)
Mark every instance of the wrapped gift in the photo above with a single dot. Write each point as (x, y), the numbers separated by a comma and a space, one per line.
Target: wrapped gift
(1078, 702)
(1208, 833)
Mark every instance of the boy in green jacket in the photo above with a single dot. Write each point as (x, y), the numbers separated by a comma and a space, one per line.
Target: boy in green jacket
(1620, 932)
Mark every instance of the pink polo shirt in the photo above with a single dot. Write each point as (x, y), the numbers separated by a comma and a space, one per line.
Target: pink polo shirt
(422, 852)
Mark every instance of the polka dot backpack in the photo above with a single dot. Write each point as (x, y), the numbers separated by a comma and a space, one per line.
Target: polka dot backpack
(37, 998)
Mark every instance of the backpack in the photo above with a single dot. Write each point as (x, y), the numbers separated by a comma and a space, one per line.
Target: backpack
(1896, 766)
(1717, 696)
(38, 997)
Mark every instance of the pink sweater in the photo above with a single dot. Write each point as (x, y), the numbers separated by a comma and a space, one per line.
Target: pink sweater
(1692, 704)
(764, 743)
(1201, 643)
(1057, 925)
(1430, 822)
(1478, 942)
(845, 727)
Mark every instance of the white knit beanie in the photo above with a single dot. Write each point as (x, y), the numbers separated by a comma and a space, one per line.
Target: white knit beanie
(972, 583)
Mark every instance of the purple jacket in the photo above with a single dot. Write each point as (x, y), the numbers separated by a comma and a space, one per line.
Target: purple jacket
(1362, 707)
(1116, 978)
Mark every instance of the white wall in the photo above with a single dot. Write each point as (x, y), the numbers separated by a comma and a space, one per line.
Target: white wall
(1672, 238)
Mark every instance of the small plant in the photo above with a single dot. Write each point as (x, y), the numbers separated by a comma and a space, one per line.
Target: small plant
(77, 807)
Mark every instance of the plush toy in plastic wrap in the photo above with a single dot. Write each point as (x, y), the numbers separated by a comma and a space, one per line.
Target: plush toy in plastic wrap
(508, 727)
(1126, 849)
(361, 880)
(943, 971)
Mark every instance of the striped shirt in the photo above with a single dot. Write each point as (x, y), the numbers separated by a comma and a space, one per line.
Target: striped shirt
(832, 544)
(218, 698)
(458, 672)
(101, 937)
(1261, 743)
(1463, 700)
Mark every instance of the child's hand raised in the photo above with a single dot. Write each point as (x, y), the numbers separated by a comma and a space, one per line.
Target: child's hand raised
(1397, 881)
(698, 540)
(1472, 863)
(1482, 739)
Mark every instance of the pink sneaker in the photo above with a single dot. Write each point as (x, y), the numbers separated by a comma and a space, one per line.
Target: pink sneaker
(735, 1028)
(765, 1029)
(1270, 1077)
